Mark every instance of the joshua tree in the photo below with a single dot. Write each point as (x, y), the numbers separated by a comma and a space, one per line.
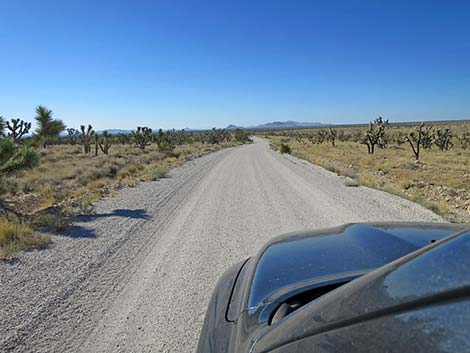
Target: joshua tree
(416, 137)
(72, 135)
(142, 137)
(17, 128)
(216, 136)
(96, 144)
(105, 142)
(427, 136)
(48, 129)
(14, 158)
(85, 137)
(331, 136)
(318, 137)
(375, 135)
(242, 136)
(443, 139)
(124, 139)
(165, 141)
(464, 140)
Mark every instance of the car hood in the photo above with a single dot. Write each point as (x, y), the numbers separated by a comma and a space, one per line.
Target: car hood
(293, 261)
(429, 276)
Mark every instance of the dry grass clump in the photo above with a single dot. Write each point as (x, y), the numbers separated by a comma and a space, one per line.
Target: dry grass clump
(15, 237)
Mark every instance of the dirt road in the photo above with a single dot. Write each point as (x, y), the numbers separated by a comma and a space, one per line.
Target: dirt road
(137, 276)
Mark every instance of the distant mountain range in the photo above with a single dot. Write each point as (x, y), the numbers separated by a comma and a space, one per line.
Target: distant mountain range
(272, 125)
(278, 125)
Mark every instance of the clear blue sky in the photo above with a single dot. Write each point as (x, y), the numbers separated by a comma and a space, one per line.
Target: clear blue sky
(199, 64)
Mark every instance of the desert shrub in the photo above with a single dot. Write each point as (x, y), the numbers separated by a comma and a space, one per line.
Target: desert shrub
(284, 148)
(15, 237)
(159, 172)
(56, 222)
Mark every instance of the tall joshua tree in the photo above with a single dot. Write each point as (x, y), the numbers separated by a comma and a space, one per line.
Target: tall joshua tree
(48, 129)
(418, 138)
(105, 142)
(375, 135)
(86, 137)
(142, 137)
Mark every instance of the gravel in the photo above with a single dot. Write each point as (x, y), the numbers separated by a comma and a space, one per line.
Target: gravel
(138, 274)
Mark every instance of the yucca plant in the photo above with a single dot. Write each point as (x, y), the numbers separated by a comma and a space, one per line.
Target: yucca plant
(48, 129)
(15, 158)
(2, 126)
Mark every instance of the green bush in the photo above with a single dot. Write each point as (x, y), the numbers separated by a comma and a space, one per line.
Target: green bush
(159, 172)
(284, 148)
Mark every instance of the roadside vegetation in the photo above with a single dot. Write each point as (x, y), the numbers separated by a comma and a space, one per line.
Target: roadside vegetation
(427, 163)
(58, 172)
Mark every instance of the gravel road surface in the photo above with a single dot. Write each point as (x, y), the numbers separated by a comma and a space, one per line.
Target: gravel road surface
(137, 275)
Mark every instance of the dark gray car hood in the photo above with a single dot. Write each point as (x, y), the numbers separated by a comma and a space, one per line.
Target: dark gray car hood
(436, 273)
(295, 260)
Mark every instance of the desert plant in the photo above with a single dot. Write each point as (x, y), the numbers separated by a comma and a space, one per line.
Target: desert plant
(298, 138)
(443, 139)
(96, 144)
(14, 158)
(2, 126)
(243, 136)
(142, 137)
(375, 135)
(159, 172)
(124, 139)
(72, 135)
(399, 138)
(17, 128)
(48, 129)
(216, 136)
(419, 137)
(15, 237)
(85, 137)
(321, 136)
(284, 148)
(464, 140)
(164, 141)
(331, 136)
(105, 142)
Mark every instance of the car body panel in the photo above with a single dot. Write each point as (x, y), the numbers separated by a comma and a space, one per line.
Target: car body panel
(307, 262)
(435, 329)
(432, 275)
